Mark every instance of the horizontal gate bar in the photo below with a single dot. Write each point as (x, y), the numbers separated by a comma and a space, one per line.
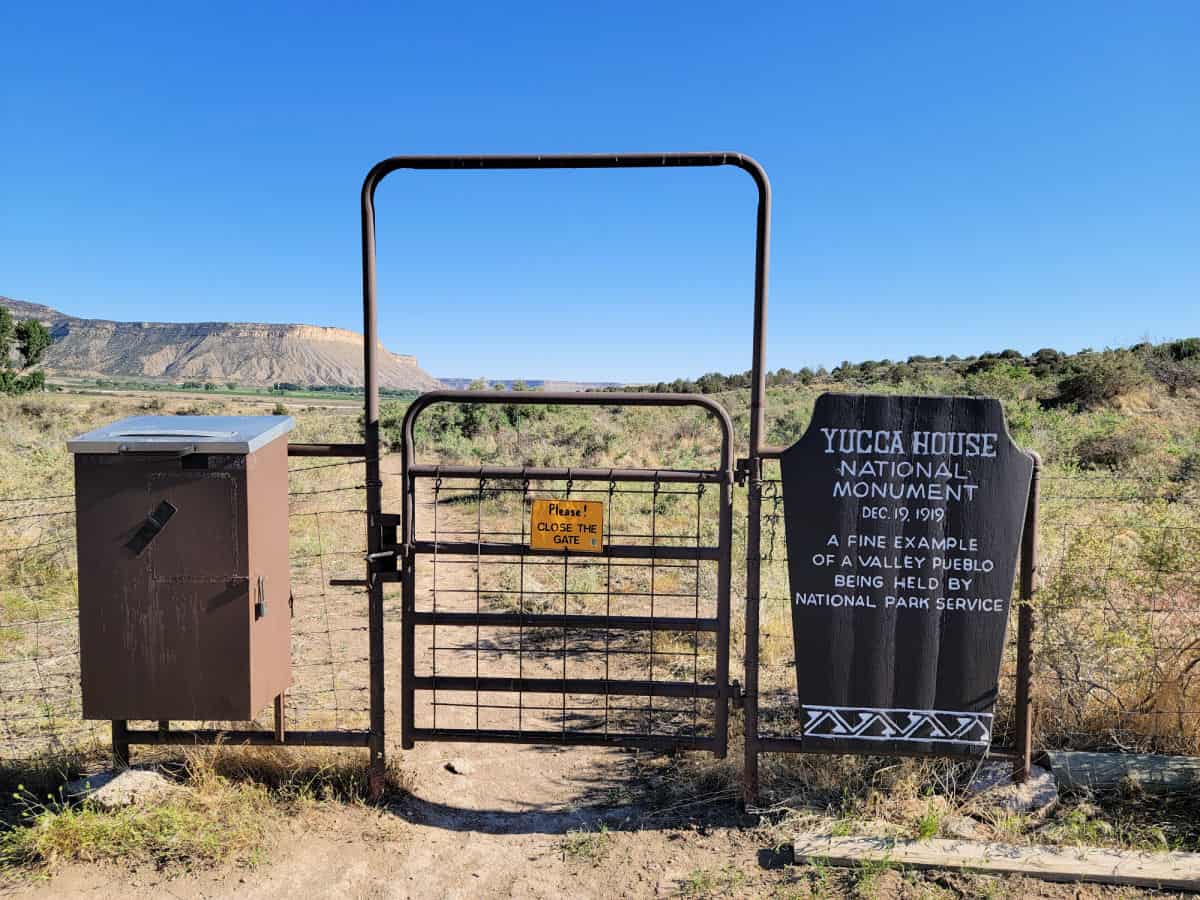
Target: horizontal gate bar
(796, 745)
(572, 738)
(257, 738)
(565, 686)
(615, 551)
(559, 620)
(544, 473)
(359, 450)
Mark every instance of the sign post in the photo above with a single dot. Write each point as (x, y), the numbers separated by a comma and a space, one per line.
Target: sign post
(903, 519)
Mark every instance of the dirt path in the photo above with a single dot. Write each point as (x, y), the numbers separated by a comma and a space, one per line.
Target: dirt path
(523, 825)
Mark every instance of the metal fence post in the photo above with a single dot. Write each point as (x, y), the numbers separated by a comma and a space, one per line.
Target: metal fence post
(120, 744)
(1029, 573)
(374, 490)
(753, 587)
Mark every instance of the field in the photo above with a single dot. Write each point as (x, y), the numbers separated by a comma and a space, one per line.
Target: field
(1118, 655)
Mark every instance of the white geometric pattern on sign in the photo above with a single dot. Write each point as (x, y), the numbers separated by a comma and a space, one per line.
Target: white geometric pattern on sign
(864, 723)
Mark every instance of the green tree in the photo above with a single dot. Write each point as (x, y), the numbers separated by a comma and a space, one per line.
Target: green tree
(6, 335)
(32, 339)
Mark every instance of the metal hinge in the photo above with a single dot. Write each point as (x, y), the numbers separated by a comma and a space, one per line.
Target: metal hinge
(737, 696)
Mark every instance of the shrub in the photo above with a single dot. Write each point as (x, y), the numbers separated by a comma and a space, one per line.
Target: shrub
(1188, 348)
(1175, 365)
(1111, 451)
(1100, 378)
(1002, 380)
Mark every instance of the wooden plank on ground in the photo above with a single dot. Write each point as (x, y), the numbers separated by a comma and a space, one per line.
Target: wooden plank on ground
(1157, 774)
(1106, 866)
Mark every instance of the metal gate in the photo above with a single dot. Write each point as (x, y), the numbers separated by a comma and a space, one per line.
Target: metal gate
(611, 704)
(505, 642)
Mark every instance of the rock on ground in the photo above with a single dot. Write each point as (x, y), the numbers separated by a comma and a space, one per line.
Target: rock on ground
(113, 790)
(993, 788)
(962, 827)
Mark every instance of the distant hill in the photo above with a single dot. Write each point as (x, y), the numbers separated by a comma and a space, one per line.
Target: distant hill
(248, 353)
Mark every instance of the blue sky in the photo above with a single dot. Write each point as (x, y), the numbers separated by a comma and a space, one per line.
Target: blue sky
(948, 178)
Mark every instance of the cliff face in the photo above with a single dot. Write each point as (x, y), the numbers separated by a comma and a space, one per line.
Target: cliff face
(248, 353)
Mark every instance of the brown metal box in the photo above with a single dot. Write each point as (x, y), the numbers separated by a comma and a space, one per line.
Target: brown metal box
(182, 526)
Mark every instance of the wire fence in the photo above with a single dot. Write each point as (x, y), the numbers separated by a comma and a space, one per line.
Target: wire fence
(1117, 619)
(1117, 639)
(39, 638)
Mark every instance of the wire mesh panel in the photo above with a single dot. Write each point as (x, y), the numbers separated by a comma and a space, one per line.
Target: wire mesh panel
(1119, 611)
(567, 647)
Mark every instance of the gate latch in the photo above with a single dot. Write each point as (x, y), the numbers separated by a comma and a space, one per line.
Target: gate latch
(383, 562)
(741, 471)
(737, 696)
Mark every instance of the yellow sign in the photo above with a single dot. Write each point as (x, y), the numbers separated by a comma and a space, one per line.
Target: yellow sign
(576, 525)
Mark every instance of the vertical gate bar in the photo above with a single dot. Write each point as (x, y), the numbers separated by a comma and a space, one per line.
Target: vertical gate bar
(525, 504)
(408, 635)
(1025, 624)
(478, 585)
(566, 583)
(653, 543)
(433, 638)
(612, 511)
(750, 702)
(725, 542)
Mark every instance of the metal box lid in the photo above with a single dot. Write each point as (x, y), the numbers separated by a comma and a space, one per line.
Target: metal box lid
(183, 434)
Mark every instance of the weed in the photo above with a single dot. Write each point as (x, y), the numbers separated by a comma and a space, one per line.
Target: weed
(928, 824)
(587, 846)
(722, 882)
(867, 875)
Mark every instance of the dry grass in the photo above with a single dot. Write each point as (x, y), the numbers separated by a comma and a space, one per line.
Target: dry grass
(231, 803)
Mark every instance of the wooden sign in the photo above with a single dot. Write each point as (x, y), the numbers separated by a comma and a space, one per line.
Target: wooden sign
(903, 518)
(573, 525)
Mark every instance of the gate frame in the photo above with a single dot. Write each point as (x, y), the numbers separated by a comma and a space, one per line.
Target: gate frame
(377, 522)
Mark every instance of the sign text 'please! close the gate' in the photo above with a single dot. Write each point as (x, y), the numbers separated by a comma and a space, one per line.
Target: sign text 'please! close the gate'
(572, 525)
